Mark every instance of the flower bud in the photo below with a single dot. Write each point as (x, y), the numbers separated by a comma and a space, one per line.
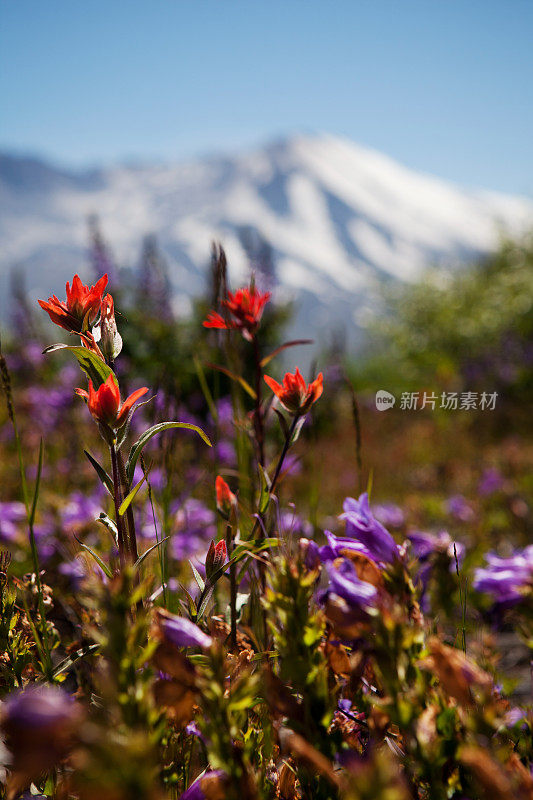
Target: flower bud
(226, 500)
(216, 556)
(110, 338)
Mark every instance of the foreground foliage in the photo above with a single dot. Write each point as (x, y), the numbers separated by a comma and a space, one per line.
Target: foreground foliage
(249, 655)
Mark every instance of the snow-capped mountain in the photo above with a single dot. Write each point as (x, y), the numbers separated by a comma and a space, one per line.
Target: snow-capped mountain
(340, 219)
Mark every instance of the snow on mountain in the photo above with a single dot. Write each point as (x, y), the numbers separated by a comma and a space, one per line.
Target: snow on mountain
(340, 219)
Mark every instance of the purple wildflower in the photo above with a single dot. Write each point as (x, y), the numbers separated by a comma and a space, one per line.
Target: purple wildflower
(362, 526)
(197, 790)
(35, 708)
(192, 729)
(225, 453)
(11, 514)
(195, 526)
(343, 582)
(458, 507)
(225, 415)
(156, 476)
(310, 553)
(181, 632)
(389, 514)
(337, 546)
(491, 481)
(292, 523)
(506, 579)
(344, 705)
(80, 510)
(514, 716)
(74, 571)
(425, 545)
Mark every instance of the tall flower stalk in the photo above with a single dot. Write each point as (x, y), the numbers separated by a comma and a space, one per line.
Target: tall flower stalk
(90, 314)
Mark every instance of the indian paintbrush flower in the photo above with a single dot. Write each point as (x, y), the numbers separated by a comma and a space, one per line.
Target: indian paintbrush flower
(226, 500)
(81, 307)
(294, 394)
(104, 403)
(245, 308)
(89, 342)
(216, 556)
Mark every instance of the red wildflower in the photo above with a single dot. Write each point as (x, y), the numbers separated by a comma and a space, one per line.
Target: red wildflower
(226, 500)
(81, 307)
(246, 309)
(88, 341)
(104, 403)
(294, 393)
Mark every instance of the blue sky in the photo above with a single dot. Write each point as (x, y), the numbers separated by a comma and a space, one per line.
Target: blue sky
(444, 86)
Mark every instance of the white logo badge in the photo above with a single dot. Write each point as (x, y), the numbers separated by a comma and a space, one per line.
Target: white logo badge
(384, 400)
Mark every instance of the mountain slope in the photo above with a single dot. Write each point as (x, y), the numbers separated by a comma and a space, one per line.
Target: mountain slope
(340, 218)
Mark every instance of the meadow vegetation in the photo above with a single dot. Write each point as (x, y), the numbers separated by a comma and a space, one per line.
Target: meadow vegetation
(222, 576)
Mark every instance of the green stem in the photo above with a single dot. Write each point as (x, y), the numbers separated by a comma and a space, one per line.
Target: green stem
(233, 588)
(462, 598)
(284, 452)
(258, 414)
(132, 538)
(160, 550)
(117, 498)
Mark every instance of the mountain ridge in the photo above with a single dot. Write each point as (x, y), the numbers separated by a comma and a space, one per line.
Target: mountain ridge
(340, 218)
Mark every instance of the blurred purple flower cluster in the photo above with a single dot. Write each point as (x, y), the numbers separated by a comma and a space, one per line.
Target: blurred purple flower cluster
(507, 580)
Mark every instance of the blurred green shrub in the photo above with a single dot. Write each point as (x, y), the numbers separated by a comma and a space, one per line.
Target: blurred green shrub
(468, 329)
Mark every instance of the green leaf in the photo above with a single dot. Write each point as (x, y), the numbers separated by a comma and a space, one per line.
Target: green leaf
(69, 662)
(131, 495)
(105, 520)
(264, 497)
(103, 566)
(282, 422)
(198, 658)
(252, 547)
(369, 483)
(283, 347)
(37, 485)
(93, 366)
(204, 603)
(197, 577)
(147, 552)
(100, 471)
(247, 550)
(191, 604)
(139, 445)
(297, 430)
(205, 388)
(234, 377)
